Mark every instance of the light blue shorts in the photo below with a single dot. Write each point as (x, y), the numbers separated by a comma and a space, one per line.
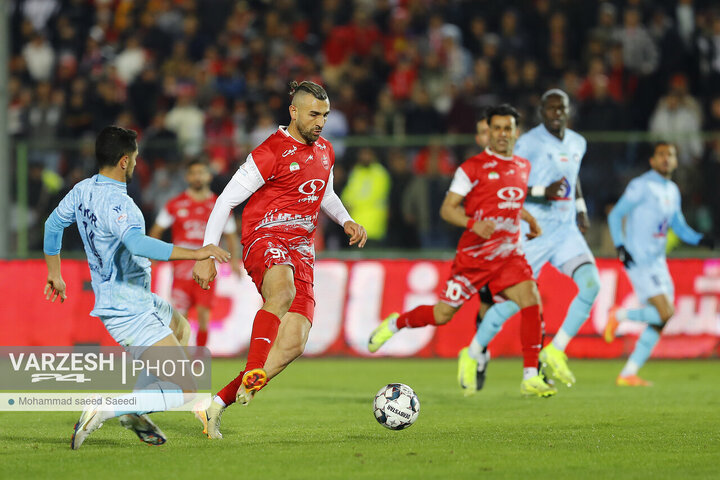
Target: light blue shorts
(141, 330)
(651, 280)
(561, 245)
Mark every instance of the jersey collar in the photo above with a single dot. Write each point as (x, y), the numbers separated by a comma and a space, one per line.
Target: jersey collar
(103, 180)
(553, 137)
(283, 130)
(497, 155)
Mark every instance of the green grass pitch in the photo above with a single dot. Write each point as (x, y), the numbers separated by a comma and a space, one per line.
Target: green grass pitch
(315, 422)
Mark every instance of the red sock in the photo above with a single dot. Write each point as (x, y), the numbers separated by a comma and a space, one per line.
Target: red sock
(530, 335)
(264, 331)
(418, 317)
(202, 336)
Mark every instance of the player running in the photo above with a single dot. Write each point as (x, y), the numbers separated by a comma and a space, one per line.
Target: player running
(286, 180)
(187, 214)
(650, 205)
(112, 229)
(555, 153)
(492, 186)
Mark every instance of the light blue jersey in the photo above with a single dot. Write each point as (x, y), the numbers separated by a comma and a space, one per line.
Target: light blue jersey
(650, 205)
(104, 214)
(551, 160)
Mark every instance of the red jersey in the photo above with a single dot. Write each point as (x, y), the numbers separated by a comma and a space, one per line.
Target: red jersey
(494, 190)
(295, 176)
(188, 219)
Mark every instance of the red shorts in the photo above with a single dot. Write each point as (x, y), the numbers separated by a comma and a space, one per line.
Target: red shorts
(469, 276)
(264, 252)
(186, 294)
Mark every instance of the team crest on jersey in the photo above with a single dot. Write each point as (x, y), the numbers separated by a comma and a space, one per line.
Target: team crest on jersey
(294, 167)
(290, 151)
(490, 164)
(493, 175)
(325, 162)
(576, 157)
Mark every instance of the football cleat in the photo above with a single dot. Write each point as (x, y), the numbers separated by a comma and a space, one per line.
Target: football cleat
(144, 428)
(210, 418)
(471, 373)
(631, 381)
(252, 381)
(89, 421)
(553, 362)
(382, 333)
(537, 387)
(612, 325)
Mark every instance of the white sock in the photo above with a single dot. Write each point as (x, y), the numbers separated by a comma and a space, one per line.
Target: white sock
(529, 372)
(219, 401)
(392, 325)
(561, 340)
(631, 368)
(475, 350)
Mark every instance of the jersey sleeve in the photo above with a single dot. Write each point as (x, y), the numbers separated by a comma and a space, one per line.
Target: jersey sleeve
(263, 158)
(680, 226)
(123, 217)
(250, 176)
(230, 225)
(67, 207)
(629, 200)
(165, 219)
(461, 183)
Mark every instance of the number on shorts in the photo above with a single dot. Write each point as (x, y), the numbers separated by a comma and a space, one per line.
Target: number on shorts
(277, 253)
(454, 290)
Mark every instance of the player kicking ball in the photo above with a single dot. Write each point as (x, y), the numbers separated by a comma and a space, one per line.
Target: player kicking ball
(112, 229)
(650, 205)
(286, 181)
(486, 197)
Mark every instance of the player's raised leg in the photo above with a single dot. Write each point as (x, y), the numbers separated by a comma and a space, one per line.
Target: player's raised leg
(422, 316)
(656, 315)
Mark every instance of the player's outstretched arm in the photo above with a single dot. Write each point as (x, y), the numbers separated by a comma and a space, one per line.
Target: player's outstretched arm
(535, 230)
(52, 243)
(583, 220)
(453, 212)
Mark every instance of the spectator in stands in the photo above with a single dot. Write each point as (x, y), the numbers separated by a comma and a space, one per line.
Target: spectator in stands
(677, 118)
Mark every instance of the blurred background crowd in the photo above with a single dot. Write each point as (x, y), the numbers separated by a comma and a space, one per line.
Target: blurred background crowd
(209, 79)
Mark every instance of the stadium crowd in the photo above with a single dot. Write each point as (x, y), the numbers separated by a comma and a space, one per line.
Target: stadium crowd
(209, 80)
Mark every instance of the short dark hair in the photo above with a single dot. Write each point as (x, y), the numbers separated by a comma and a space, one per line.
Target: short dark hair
(482, 115)
(112, 144)
(309, 87)
(662, 143)
(502, 110)
(196, 161)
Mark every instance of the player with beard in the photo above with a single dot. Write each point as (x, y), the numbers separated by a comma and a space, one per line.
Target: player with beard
(187, 214)
(650, 205)
(286, 181)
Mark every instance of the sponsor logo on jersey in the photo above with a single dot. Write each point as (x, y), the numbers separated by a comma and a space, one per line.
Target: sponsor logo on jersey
(490, 164)
(183, 212)
(290, 151)
(321, 146)
(511, 197)
(118, 208)
(294, 167)
(310, 188)
(493, 175)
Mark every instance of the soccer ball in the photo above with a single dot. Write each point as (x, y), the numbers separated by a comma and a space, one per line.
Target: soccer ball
(396, 406)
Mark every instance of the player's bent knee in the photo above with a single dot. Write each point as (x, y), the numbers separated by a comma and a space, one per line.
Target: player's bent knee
(443, 313)
(587, 279)
(666, 313)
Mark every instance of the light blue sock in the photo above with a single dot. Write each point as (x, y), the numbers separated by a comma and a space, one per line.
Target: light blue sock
(587, 279)
(493, 321)
(647, 315)
(156, 397)
(643, 348)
